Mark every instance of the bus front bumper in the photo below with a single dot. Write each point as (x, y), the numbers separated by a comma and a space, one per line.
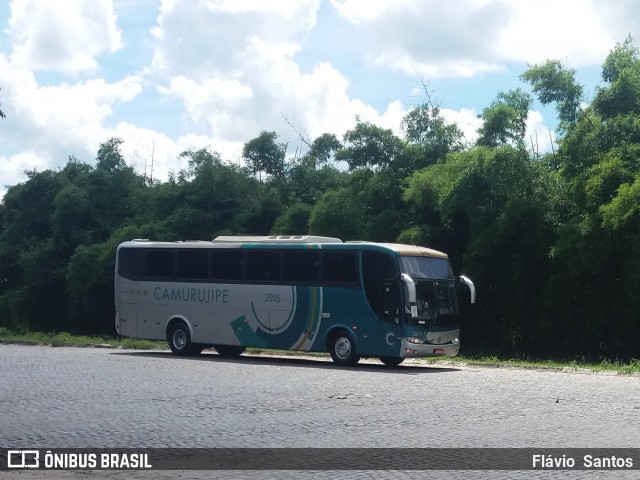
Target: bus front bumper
(414, 350)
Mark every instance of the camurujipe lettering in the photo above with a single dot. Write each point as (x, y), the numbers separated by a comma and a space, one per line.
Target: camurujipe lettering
(191, 294)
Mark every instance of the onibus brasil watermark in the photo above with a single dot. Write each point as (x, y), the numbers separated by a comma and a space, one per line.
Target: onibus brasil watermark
(322, 459)
(76, 460)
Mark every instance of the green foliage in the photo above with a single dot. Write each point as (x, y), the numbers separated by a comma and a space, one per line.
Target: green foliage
(622, 71)
(369, 146)
(265, 154)
(505, 121)
(487, 208)
(337, 214)
(425, 127)
(293, 221)
(552, 242)
(554, 83)
(89, 281)
(624, 209)
(305, 183)
(323, 147)
(622, 57)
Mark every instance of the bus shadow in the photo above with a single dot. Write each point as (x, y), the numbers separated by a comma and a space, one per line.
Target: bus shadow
(368, 365)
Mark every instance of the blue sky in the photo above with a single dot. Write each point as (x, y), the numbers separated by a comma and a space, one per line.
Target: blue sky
(171, 75)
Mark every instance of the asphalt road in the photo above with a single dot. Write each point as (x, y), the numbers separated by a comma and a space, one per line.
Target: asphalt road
(104, 398)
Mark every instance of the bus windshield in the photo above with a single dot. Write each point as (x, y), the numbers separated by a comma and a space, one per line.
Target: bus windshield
(426, 267)
(436, 299)
(436, 303)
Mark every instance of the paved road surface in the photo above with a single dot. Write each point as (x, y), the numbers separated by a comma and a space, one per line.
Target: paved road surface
(90, 398)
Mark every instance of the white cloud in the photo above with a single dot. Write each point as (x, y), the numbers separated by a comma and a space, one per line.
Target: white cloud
(468, 37)
(49, 123)
(467, 121)
(64, 36)
(12, 168)
(151, 153)
(211, 101)
(74, 106)
(538, 137)
(221, 71)
(362, 11)
(570, 30)
(202, 39)
(261, 82)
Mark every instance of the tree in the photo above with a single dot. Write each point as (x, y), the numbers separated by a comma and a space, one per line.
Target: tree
(369, 146)
(293, 221)
(109, 157)
(265, 154)
(425, 127)
(625, 55)
(622, 70)
(598, 243)
(487, 208)
(505, 121)
(306, 183)
(553, 82)
(323, 147)
(210, 196)
(383, 212)
(337, 214)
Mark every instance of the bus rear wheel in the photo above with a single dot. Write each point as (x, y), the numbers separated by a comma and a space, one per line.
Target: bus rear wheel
(391, 361)
(180, 340)
(230, 351)
(343, 349)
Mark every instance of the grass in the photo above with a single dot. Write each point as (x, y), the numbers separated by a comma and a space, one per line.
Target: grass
(67, 339)
(630, 367)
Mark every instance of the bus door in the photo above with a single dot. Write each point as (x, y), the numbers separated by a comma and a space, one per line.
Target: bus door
(128, 319)
(382, 288)
(390, 318)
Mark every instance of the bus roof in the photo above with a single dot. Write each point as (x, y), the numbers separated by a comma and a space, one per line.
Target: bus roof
(242, 240)
(409, 250)
(276, 239)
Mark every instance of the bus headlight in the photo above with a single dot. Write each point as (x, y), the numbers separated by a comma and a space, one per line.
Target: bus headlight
(415, 340)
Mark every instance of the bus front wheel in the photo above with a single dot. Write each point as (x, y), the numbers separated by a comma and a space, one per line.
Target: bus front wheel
(391, 361)
(343, 349)
(229, 350)
(180, 340)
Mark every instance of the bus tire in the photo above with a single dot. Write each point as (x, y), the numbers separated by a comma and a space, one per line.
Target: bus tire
(180, 340)
(391, 361)
(229, 351)
(343, 349)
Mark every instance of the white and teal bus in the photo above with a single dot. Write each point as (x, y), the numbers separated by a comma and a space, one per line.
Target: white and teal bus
(315, 294)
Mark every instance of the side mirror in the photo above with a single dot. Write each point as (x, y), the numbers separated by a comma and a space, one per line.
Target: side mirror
(411, 293)
(472, 287)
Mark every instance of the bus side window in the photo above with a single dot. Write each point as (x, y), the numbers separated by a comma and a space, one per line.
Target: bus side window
(131, 263)
(263, 265)
(226, 264)
(159, 263)
(339, 267)
(193, 264)
(301, 266)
